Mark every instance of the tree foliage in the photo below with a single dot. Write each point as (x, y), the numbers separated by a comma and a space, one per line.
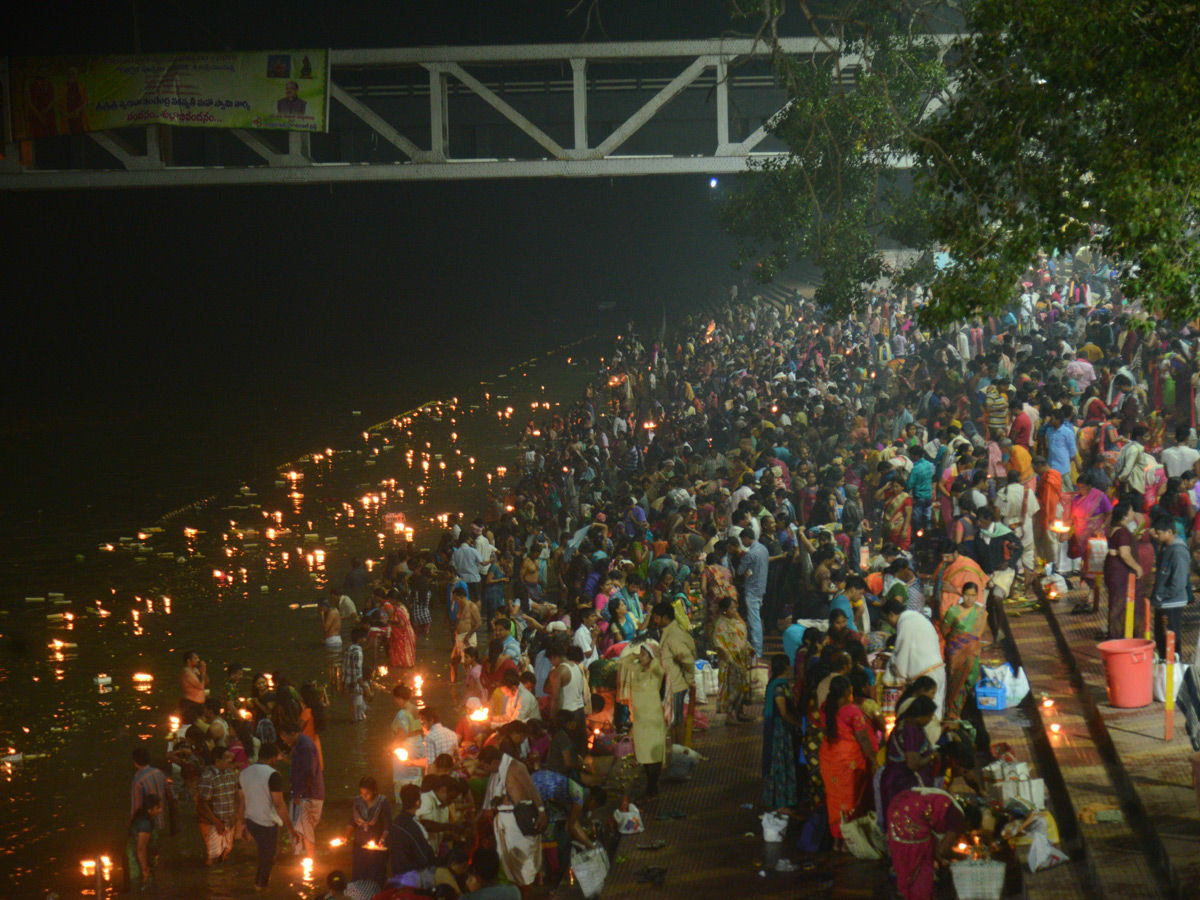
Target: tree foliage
(1045, 125)
(848, 121)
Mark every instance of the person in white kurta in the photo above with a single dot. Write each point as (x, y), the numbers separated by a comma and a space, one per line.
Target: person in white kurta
(639, 684)
(917, 651)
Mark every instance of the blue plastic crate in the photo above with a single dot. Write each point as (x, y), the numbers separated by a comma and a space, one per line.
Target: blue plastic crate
(991, 697)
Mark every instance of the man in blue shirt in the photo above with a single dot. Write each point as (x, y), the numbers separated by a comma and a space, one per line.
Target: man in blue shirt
(753, 567)
(1060, 445)
(308, 784)
(920, 486)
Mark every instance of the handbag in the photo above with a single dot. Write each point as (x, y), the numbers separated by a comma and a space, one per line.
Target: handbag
(863, 837)
(526, 814)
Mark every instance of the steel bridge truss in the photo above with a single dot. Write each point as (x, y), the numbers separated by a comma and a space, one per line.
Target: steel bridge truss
(558, 145)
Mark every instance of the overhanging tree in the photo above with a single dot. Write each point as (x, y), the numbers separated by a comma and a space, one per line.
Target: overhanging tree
(1050, 126)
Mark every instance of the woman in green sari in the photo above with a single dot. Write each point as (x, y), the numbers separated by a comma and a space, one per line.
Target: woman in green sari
(735, 653)
(141, 850)
(962, 628)
(780, 786)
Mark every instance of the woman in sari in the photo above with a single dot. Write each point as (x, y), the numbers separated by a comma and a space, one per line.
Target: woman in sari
(1119, 566)
(924, 824)
(716, 584)
(1089, 517)
(910, 757)
(622, 626)
(847, 756)
(962, 627)
(897, 515)
(370, 817)
(735, 653)
(780, 786)
(402, 643)
(943, 486)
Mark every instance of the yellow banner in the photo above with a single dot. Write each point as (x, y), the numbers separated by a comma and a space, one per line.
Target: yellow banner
(287, 90)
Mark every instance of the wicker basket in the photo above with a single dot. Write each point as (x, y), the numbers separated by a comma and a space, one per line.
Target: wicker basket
(978, 879)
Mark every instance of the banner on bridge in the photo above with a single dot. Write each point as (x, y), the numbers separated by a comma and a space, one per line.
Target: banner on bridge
(286, 90)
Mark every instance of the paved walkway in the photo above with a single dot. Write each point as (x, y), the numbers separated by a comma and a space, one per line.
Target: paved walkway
(1118, 757)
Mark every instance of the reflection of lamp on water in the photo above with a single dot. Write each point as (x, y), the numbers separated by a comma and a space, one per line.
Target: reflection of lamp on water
(307, 865)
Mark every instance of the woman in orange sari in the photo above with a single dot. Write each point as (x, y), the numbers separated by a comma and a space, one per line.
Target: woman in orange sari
(847, 756)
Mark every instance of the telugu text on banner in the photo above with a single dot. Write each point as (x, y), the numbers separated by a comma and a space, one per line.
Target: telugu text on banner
(286, 90)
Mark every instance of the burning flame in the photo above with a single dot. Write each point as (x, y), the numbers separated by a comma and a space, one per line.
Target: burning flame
(480, 715)
(401, 754)
(337, 842)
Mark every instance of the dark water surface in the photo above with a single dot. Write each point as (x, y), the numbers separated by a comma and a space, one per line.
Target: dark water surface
(135, 607)
(164, 348)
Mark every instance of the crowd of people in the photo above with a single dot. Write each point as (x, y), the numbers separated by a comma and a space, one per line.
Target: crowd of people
(862, 491)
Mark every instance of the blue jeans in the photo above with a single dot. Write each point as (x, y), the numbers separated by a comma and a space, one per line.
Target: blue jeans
(754, 622)
(266, 839)
(855, 556)
(922, 514)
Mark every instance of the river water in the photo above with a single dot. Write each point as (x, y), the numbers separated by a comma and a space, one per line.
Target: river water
(135, 597)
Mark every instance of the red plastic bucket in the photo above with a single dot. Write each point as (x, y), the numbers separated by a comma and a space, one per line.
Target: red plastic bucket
(1129, 670)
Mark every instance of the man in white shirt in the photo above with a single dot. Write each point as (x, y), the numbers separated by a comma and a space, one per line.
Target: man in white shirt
(485, 547)
(519, 705)
(469, 565)
(585, 638)
(1180, 458)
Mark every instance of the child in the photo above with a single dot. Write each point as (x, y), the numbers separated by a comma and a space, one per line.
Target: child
(474, 674)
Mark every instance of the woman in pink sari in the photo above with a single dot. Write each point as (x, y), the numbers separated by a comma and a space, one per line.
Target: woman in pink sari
(1089, 518)
(924, 824)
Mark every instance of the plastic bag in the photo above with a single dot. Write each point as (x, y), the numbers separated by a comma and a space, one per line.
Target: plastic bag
(629, 822)
(1016, 684)
(774, 825)
(1043, 854)
(590, 868)
(1160, 679)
